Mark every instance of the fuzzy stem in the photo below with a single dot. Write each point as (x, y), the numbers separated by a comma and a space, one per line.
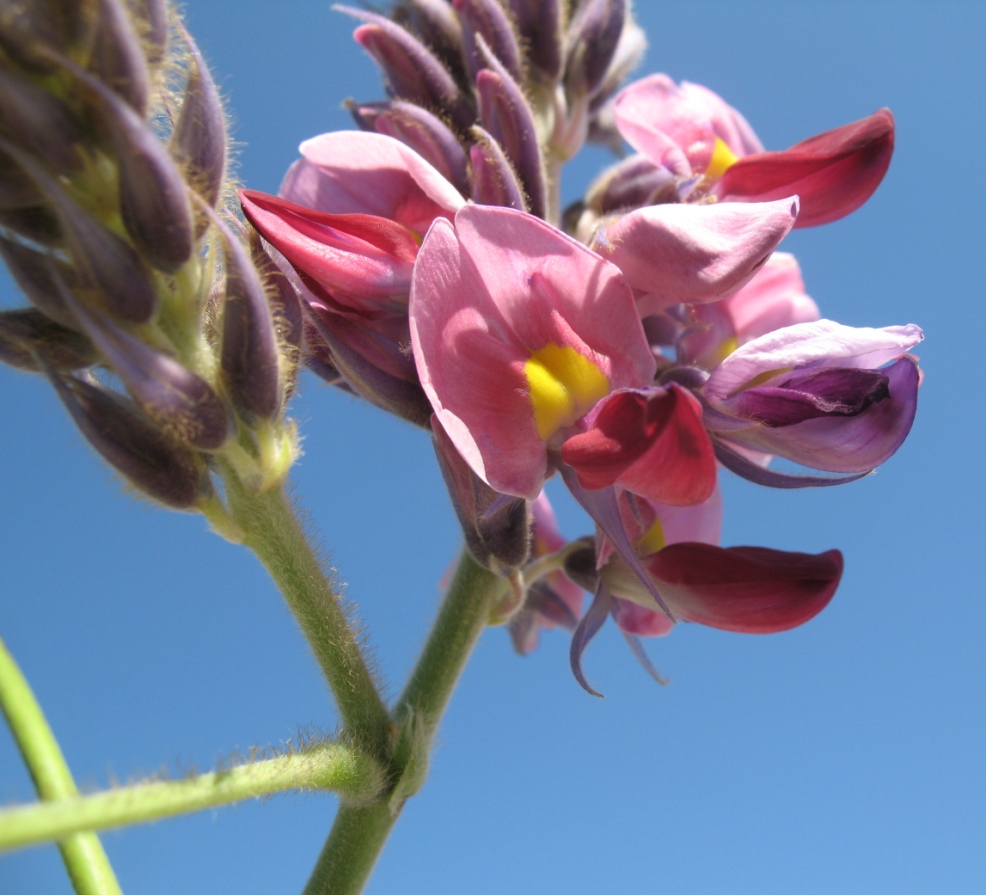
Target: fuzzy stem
(272, 531)
(86, 862)
(326, 766)
(359, 834)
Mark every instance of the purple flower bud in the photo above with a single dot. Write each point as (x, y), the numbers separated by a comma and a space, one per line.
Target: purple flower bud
(33, 273)
(198, 142)
(631, 183)
(29, 31)
(117, 58)
(178, 401)
(31, 341)
(166, 471)
(153, 195)
(580, 565)
(629, 51)
(427, 135)
(494, 181)
(412, 71)
(103, 261)
(488, 19)
(249, 359)
(539, 25)
(39, 122)
(497, 528)
(318, 357)
(504, 112)
(17, 190)
(285, 307)
(151, 22)
(437, 26)
(591, 44)
(35, 223)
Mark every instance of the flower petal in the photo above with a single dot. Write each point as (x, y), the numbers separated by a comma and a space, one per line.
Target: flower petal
(675, 254)
(752, 590)
(834, 172)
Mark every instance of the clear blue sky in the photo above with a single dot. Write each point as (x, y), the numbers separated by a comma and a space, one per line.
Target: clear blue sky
(845, 756)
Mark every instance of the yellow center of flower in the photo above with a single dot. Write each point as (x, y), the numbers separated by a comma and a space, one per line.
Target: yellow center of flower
(652, 541)
(722, 158)
(564, 385)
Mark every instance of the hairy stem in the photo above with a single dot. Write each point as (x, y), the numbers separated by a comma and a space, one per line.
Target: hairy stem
(326, 766)
(273, 532)
(83, 854)
(359, 834)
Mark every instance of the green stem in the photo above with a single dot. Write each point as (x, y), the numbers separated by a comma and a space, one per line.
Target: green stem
(86, 862)
(358, 834)
(326, 766)
(273, 532)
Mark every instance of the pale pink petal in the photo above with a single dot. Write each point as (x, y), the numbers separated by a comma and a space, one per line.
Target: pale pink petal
(673, 254)
(822, 341)
(357, 172)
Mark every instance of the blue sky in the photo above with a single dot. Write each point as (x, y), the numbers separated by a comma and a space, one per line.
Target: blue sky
(845, 756)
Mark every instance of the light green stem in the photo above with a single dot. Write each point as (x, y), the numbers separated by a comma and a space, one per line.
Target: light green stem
(274, 534)
(86, 862)
(359, 834)
(326, 766)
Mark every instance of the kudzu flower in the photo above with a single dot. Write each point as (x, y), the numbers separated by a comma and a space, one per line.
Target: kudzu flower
(750, 590)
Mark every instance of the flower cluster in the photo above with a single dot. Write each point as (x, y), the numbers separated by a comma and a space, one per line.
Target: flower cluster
(632, 346)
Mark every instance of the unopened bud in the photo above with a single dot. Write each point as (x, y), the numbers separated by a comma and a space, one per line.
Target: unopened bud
(39, 122)
(412, 71)
(591, 44)
(539, 25)
(580, 564)
(31, 29)
(198, 142)
(285, 307)
(435, 23)
(151, 461)
(319, 359)
(631, 183)
(37, 224)
(494, 181)
(31, 341)
(153, 194)
(497, 527)
(17, 190)
(34, 273)
(181, 403)
(117, 57)
(151, 23)
(488, 20)
(629, 51)
(505, 113)
(249, 359)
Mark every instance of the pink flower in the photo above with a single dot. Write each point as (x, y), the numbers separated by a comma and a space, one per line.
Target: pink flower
(750, 590)
(709, 147)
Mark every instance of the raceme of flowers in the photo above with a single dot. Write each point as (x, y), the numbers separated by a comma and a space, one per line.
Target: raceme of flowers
(634, 346)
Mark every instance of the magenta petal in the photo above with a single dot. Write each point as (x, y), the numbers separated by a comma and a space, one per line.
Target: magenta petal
(652, 443)
(834, 172)
(352, 172)
(675, 254)
(751, 590)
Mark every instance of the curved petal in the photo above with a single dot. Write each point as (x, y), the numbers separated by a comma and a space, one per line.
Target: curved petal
(834, 172)
(486, 296)
(752, 590)
(651, 443)
(353, 172)
(847, 444)
(821, 342)
(675, 254)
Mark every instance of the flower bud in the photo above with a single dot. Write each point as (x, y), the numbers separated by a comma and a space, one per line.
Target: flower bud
(505, 113)
(32, 271)
(35, 223)
(117, 58)
(539, 25)
(39, 122)
(178, 401)
(488, 19)
(153, 195)
(198, 142)
(493, 179)
(151, 23)
(591, 44)
(497, 528)
(137, 449)
(435, 23)
(631, 183)
(17, 190)
(249, 359)
(32, 29)
(31, 341)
